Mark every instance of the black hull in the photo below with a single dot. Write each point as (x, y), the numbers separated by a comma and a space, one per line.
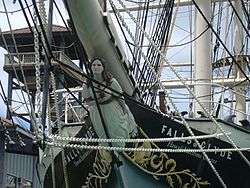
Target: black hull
(233, 170)
(231, 167)
(78, 163)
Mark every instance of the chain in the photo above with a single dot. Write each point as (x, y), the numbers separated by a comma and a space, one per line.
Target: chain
(51, 149)
(64, 163)
(158, 78)
(42, 12)
(38, 76)
(56, 107)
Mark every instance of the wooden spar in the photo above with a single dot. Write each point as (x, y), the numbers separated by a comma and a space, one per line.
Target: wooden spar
(99, 39)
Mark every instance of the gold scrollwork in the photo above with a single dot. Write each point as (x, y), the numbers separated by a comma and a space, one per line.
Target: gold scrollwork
(101, 170)
(159, 165)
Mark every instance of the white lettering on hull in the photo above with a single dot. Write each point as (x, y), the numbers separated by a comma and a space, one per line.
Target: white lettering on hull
(75, 153)
(171, 132)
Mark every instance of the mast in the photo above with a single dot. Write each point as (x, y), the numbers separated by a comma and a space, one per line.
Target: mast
(203, 65)
(240, 101)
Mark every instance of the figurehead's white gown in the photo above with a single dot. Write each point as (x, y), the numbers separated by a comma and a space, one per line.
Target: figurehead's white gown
(120, 122)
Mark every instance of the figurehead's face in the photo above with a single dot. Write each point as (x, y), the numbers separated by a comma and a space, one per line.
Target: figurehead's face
(97, 67)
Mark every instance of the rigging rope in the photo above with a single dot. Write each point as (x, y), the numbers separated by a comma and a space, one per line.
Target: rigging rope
(162, 56)
(14, 11)
(117, 140)
(247, 14)
(32, 114)
(42, 18)
(90, 147)
(162, 40)
(231, 141)
(69, 30)
(215, 122)
(211, 27)
(239, 18)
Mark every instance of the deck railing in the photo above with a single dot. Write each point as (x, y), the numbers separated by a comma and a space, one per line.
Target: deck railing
(28, 58)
